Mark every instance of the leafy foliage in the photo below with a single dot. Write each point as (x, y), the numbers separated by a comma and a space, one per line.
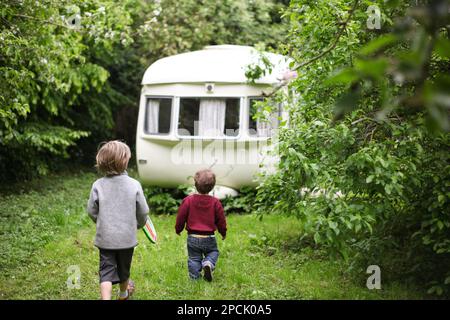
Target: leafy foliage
(365, 163)
(167, 200)
(71, 70)
(164, 200)
(243, 203)
(48, 66)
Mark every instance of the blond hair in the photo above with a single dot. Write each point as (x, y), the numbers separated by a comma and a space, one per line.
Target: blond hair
(204, 181)
(112, 157)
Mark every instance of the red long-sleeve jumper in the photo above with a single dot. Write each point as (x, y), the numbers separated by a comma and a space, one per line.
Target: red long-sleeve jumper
(201, 214)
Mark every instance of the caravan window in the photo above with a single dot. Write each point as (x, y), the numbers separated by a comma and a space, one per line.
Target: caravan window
(262, 126)
(158, 112)
(209, 117)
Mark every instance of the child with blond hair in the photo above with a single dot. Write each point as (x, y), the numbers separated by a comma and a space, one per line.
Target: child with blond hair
(118, 207)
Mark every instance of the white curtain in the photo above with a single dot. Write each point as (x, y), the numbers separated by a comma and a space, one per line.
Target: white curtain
(153, 116)
(211, 117)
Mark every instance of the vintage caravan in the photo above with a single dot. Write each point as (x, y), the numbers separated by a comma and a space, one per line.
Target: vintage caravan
(196, 112)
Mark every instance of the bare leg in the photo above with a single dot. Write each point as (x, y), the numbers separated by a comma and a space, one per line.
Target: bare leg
(105, 290)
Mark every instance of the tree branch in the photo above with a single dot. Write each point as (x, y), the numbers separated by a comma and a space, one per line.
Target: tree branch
(323, 53)
(336, 39)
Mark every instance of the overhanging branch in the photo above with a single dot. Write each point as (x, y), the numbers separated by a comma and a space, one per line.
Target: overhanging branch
(323, 53)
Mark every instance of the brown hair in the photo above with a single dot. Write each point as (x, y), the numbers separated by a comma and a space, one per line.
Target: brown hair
(204, 181)
(112, 157)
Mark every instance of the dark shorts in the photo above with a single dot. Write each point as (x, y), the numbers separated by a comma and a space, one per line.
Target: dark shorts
(115, 265)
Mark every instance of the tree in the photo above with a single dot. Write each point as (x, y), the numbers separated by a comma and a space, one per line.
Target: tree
(365, 162)
(71, 70)
(47, 72)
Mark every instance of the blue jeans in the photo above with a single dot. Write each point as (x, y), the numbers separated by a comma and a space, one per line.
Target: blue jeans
(201, 250)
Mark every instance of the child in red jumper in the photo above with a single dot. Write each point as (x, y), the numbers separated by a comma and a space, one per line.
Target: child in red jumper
(202, 214)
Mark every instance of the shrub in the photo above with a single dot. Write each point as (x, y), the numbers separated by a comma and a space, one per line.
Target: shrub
(365, 162)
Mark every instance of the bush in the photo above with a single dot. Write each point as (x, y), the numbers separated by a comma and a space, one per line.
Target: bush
(162, 200)
(243, 203)
(167, 200)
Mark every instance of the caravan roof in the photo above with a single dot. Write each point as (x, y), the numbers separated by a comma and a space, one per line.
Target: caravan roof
(220, 64)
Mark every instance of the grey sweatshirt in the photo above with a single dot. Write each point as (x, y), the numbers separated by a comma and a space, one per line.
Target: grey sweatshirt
(118, 206)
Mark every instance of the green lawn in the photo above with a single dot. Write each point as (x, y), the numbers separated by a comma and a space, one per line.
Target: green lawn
(44, 230)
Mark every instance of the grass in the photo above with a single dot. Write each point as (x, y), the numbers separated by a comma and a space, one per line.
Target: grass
(44, 231)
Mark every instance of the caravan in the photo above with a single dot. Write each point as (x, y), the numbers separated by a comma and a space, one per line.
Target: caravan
(196, 111)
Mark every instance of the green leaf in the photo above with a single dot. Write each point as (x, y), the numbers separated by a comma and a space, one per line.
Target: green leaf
(345, 76)
(369, 226)
(372, 68)
(346, 103)
(442, 47)
(437, 101)
(317, 238)
(388, 189)
(378, 44)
